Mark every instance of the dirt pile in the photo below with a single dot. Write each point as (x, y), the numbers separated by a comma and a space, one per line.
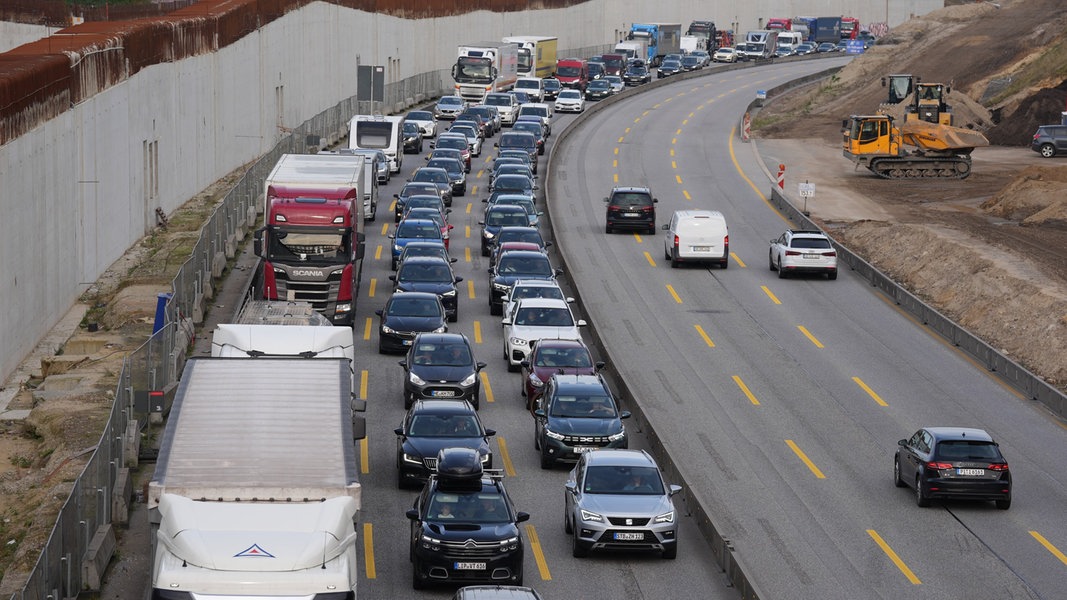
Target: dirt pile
(1034, 198)
(1042, 108)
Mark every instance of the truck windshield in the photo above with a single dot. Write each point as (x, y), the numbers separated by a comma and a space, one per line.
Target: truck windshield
(327, 247)
(473, 69)
(568, 71)
(525, 62)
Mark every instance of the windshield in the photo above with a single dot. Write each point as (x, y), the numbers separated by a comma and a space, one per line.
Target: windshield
(524, 234)
(457, 426)
(326, 247)
(425, 273)
(410, 230)
(536, 291)
(596, 407)
(434, 176)
(498, 100)
(373, 134)
(552, 84)
(509, 218)
(443, 355)
(420, 115)
(599, 84)
(518, 141)
(414, 307)
(613, 62)
(516, 265)
(525, 61)
(533, 316)
(953, 450)
(563, 357)
(623, 480)
(527, 84)
(453, 143)
(474, 507)
(568, 71)
(630, 200)
(473, 69)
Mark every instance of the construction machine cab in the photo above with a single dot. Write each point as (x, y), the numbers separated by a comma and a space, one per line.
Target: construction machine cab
(928, 99)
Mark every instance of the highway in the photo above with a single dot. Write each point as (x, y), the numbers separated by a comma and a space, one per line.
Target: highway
(781, 400)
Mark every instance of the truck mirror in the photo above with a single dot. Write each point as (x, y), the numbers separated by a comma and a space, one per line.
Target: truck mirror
(257, 243)
(358, 404)
(359, 427)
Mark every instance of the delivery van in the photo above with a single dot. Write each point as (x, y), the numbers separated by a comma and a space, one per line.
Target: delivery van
(697, 236)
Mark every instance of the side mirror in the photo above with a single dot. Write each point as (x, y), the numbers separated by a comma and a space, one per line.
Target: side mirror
(399, 431)
(902, 443)
(459, 279)
(480, 365)
(581, 323)
(570, 486)
(392, 278)
(490, 432)
(522, 516)
(606, 199)
(359, 427)
(452, 259)
(378, 312)
(539, 413)
(412, 514)
(666, 227)
(624, 414)
(673, 489)
(402, 363)
(525, 364)
(600, 365)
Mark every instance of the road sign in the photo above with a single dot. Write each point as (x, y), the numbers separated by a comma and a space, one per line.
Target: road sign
(807, 190)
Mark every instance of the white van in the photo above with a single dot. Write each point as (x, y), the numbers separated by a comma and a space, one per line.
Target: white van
(533, 86)
(378, 132)
(697, 236)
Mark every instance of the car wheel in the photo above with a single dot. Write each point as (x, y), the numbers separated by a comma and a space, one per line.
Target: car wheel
(578, 549)
(770, 261)
(496, 309)
(512, 368)
(546, 462)
(409, 399)
(921, 498)
(537, 439)
(724, 263)
(897, 481)
(1048, 150)
(454, 317)
(485, 250)
(607, 229)
(381, 348)
(476, 402)
(671, 553)
(781, 271)
(651, 230)
(666, 254)
(392, 264)
(1004, 504)
(832, 275)
(416, 582)
(566, 520)
(675, 263)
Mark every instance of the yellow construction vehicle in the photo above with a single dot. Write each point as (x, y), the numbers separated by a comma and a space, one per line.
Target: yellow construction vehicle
(938, 149)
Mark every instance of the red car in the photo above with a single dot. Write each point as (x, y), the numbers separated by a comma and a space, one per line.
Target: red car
(549, 356)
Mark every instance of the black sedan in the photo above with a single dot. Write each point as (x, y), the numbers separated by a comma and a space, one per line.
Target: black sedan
(429, 427)
(441, 366)
(668, 68)
(406, 315)
(598, 89)
(636, 75)
(432, 275)
(412, 138)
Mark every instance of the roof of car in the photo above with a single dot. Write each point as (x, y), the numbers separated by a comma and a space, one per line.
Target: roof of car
(959, 433)
(441, 338)
(620, 458)
(532, 282)
(630, 189)
(424, 260)
(443, 407)
(567, 382)
(542, 303)
(807, 233)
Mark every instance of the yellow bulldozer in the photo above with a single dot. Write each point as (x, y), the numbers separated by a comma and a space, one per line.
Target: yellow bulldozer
(926, 144)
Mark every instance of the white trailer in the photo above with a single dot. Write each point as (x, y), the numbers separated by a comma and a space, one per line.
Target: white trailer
(256, 492)
(300, 175)
(379, 132)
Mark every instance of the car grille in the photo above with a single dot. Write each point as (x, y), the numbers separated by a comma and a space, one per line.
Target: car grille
(586, 440)
(638, 522)
(318, 293)
(430, 463)
(471, 549)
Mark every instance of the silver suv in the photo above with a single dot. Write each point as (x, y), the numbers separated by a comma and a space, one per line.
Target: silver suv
(617, 499)
(1050, 140)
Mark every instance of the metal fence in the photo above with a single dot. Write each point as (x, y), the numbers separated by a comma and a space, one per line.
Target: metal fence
(156, 365)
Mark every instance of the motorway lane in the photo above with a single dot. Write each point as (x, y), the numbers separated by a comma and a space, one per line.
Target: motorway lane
(549, 567)
(836, 394)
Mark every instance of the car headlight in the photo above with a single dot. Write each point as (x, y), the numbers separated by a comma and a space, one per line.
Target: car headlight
(469, 379)
(343, 308)
(517, 341)
(618, 436)
(449, 294)
(664, 518)
(415, 379)
(487, 234)
(501, 287)
(412, 459)
(553, 434)
(591, 517)
(536, 381)
(441, 329)
(486, 457)
(388, 330)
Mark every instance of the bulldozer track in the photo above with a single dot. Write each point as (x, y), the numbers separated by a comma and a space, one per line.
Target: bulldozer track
(922, 168)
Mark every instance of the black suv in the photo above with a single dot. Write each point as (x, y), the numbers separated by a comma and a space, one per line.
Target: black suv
(431, 274)
(631, 208)
(576, 414)
(953, 462)
(464, 527)
(431, 426)
(441, 366)
(512, 266)
(1050, 140)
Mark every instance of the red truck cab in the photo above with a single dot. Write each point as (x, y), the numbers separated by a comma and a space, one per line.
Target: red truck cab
(572, 73)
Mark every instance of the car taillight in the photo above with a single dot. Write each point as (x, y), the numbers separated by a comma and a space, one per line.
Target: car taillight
(830, 253)
(998, 467)
(938, 465)
(792, 253)
(676, 241)
(725, 240)
(614, 207)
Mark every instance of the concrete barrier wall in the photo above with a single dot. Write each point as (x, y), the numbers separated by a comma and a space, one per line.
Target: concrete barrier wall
(80, 189)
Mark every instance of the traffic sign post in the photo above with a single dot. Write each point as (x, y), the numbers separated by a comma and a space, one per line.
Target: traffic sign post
(781, 177)
(746, 127)
(806, 190)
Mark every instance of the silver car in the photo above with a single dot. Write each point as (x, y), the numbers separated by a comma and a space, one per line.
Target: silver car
(617, 499)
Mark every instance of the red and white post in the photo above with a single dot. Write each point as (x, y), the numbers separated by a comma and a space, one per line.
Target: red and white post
(781, 177)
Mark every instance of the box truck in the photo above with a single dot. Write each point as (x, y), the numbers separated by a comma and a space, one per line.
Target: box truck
(379, 132)
(483, 68)
(256, 491)
(662, 39)
(536, 54)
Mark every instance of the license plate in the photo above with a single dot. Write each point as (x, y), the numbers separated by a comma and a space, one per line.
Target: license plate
(469, 566)
(630, 215)
(970, 471)
(630, 537)
(581, 449)
(701, 248)
(444, 394)
(812, 256)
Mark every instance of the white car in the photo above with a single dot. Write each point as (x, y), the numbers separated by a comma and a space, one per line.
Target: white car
(617, 84)
(800, 251)
(570, 101)
(536, 319)
(474, 141)
(725, 54)
(426, 122)
(533, 288)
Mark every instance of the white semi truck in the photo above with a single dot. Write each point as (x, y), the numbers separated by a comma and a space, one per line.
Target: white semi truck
(256, 492)
(483, 68)
(537, 54)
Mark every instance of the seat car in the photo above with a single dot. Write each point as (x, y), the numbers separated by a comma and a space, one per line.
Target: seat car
(436, 176)
(570, 101)
(552, 87)
(804, 48)
(513, 266)
(534, 319)
(692, 63)
(1049, 140)
(630, 208)
(826, 47)
(412, 138)
(703, 56)
(800, 251)
(406, 315)
(427, 200)
(618, 500)
(441, 366)
(484, 115)
(725, 54)
(413, 189)
(448, 107)
(505, 104)
(530, 160)
(540, 110)
(497, 217)
(534, 288)
(431, 211)
(697, 236)
(519, 234)
(464, 526)
(456, 172)
(509, 166)
(668, 68)
(636, 75)
(431, 426)
(598, 89)
(425, 120)
(489, 112)
(514, 184)
(548, 356)
(953, 462)
(413, 230)
(432, 275)
(576, 414)
(454, 142)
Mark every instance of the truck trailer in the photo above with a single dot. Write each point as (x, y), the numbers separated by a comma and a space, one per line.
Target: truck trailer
(662, 39)
(313, 241)
(484, 68)
(536, 54)
(256, 491)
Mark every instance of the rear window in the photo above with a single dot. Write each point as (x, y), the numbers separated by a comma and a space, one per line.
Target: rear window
(815, 243)
(630, 199)
(967, 450)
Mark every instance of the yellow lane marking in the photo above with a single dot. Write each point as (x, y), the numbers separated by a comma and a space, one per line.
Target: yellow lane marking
(474, 190)
(648, 257)
(505, 457)
(737, 166)
(477, 332)
(615, 163)
(385, 226)
(368, 551)
(366, 329)
(468, 209)
(470, 288)
(467, 254)
(364, 378)
(770, 294)
(637, 236)
(678, 131)
(364, 457)
(627, 130)
(645, 114)
(738, 260)
(378, 253)
(674, 141)
(1048, 546)
(686, 194)
(869, 391)
(539, 555)
(488, 388)
(674, 293)
(691, 114)
(616, 151)
(479, 175)
(808, 335)
(615, 177)
(373, 284)
(684, 122)
(637, 120)
(678, 178)
(744, 390)
(621, 138)
(804, 458)
(467, 231)
(893, 557)
(674, 165)
(703, 334)
(672, 151)
(653, 106)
